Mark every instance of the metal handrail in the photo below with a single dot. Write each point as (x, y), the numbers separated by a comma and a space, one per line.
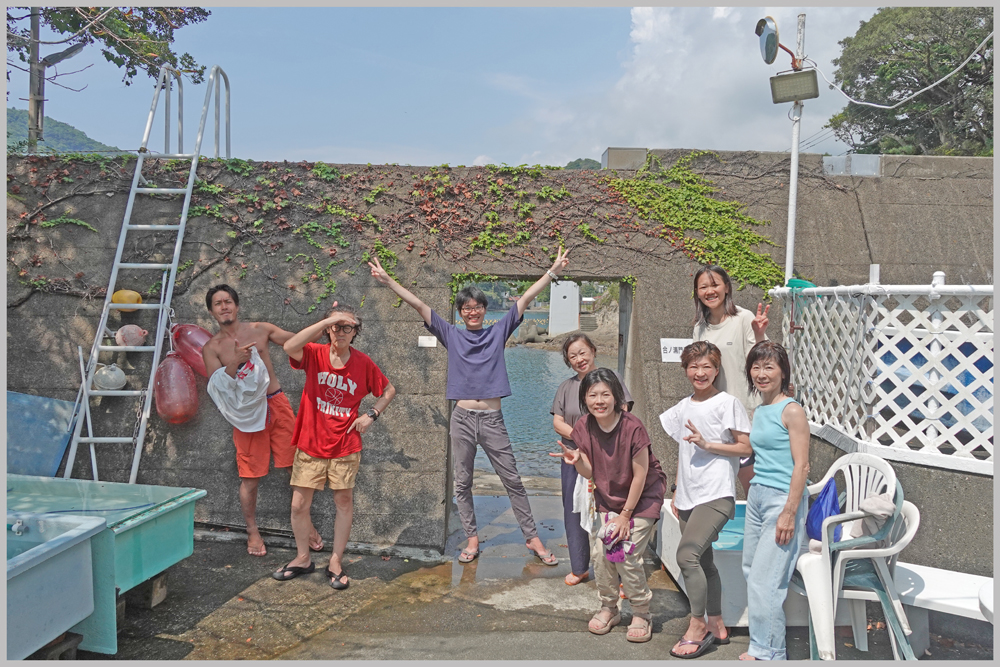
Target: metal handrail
(164, 82)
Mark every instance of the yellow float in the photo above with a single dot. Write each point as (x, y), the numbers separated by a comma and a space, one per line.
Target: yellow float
(126, 296)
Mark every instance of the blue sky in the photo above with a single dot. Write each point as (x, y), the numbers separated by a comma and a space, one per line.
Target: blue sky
(425, 86)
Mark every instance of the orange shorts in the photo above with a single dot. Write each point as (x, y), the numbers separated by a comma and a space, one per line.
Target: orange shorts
(253, 450)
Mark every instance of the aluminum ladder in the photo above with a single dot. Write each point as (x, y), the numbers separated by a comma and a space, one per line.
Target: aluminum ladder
(141, 187)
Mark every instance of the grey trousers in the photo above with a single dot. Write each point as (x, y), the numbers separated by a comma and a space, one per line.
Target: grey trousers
(700, 527)
(486, 428)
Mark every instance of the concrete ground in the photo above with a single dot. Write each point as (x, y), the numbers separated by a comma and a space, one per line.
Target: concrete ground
(223, 605)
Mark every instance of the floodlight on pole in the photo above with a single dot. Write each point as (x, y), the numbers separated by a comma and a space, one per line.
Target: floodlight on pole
(792, 87)
(66, 54)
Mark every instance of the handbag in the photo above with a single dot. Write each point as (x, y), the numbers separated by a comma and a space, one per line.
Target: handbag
(826, 504)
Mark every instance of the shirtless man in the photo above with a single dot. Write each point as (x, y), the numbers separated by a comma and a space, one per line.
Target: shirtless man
(229, 349)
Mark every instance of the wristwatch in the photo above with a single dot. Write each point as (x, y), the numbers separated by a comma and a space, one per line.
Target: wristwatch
(372, 414)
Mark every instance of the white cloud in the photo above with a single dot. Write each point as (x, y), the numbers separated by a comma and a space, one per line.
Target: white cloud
(482, 160)
(692, 78)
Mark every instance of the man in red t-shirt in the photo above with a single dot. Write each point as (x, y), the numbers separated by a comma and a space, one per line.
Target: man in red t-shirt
(328, 431)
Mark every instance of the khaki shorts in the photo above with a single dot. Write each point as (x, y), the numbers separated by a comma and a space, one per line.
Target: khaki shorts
(313, 473)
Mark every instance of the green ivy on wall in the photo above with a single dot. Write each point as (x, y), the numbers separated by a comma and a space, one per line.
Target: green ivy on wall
(707, 230)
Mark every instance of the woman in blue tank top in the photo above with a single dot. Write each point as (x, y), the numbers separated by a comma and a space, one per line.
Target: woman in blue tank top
(775, 531)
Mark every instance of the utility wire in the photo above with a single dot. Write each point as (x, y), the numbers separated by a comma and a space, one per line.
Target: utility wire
(882, 106)
(828, 132)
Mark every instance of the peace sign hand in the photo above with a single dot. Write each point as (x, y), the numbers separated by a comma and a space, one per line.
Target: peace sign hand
(570, 456)
(378, 273)
(561, 261)
(695, 437)
(759, 324)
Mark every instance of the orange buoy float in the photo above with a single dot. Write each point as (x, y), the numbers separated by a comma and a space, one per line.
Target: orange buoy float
(175, 391)
(126, 296)
(189, 339)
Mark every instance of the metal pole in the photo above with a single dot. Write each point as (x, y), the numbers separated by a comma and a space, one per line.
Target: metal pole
(34, 86)
(793, 185)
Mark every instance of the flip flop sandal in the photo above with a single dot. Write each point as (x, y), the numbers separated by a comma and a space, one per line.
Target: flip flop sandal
(606, 628)
(291, 571)
(337, 581)
(720, 641)
(703, 645)
(647, 630)
(468, 556)
(574, 579)
(549, 558)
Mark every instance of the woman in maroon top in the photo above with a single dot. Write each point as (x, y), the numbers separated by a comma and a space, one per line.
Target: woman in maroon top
(615, 452)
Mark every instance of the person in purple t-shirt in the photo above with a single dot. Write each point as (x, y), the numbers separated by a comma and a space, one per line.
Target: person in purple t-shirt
(477, 380)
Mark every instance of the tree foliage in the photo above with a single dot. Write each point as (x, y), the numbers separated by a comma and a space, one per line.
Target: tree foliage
(584, 163)
(902, 50)
(133, 38)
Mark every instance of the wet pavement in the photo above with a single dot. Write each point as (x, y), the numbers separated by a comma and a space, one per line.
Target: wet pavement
(223, 604)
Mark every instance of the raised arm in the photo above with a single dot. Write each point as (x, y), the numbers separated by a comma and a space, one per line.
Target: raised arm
(536, 289)
(276, 334)
(294, 345)
(379, 274)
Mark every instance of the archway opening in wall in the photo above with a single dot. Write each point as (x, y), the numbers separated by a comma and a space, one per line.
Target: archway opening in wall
(534, 360)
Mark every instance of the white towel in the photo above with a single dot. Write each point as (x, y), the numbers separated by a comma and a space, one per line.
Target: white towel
(583, 503)
(879, 508)
(242, 400)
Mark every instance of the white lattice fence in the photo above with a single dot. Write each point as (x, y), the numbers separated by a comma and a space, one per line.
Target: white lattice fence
(906, 371)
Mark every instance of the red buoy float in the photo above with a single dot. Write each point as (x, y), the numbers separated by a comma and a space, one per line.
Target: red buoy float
(188, 341)
(175, 391)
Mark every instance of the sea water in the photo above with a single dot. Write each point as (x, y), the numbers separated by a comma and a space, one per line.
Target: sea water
(534, 377)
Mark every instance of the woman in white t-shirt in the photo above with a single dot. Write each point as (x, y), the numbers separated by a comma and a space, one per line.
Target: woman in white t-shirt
(734, 331)
(712, 431)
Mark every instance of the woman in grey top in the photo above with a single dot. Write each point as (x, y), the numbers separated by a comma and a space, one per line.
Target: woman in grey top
(578, 352)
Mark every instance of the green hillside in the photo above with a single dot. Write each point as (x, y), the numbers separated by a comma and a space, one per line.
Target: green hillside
(59, 137)
(584, 163)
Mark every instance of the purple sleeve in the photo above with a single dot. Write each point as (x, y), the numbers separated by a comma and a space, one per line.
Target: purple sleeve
(510, 321)
(441, 329)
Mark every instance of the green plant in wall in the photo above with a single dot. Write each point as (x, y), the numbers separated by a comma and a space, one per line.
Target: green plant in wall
(631, 281)
(238, 166)
(331, 231)
(460, 279)
(585, 230)
(324, 172)
(63, 220)
(707, 230)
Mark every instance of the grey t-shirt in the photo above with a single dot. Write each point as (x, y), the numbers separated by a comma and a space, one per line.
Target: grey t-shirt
(567, 403)
(476, 367)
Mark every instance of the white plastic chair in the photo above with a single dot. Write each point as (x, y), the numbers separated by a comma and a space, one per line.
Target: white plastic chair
(820, 574)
